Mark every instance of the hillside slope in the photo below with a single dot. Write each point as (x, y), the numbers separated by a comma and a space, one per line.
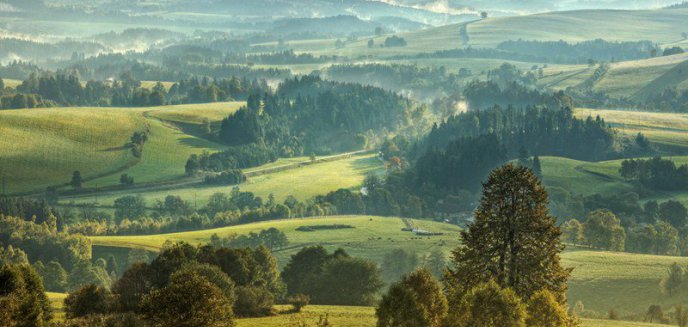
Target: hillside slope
(43, 146)
(662, 26)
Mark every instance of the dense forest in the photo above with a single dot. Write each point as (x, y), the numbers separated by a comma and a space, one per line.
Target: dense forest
(583, 52)
(306, 115)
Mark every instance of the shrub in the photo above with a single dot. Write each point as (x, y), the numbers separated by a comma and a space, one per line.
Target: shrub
(88, 300)
(298, 301)
(253, 301)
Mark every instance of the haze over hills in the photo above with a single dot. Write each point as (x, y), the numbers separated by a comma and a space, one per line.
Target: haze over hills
(515, 7)
(387, 163)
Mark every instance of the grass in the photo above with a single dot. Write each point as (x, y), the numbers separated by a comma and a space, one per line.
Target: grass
(12, 83)
(601, 280)
(640, 78)
(670, 129)
(371, 237)
(164, 155)
(572, 175)
(586, 178)
(616, 323)
(42, 147)
(196, 113)
(626, 282)
(336, 315)
(661, 26)
(57, 304)
(310, 315)
(303, 182)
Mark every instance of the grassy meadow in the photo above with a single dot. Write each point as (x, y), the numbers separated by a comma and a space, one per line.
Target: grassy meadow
(372, 237)
(661, 26)
(601, 280)
(42, 147)
(302, 182)
(669, 129)
(94, 142)
(57, 304)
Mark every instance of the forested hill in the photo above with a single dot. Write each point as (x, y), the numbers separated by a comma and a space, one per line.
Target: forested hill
(321, 116)
(307, 115)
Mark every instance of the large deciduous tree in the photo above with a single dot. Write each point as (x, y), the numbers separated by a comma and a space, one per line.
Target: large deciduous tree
(189, 300)
(416, 300)
(22, 297)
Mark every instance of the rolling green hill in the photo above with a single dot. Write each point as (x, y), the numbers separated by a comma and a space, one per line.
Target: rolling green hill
(601, 280)
(635, 79)
(371, 237)
(661, 26)
(298, 178)
(42, 147)
(665, 129)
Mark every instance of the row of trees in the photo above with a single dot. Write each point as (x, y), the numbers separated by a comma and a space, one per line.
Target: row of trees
(656, 173)
(582, 52)
(661, 233)
(63, 89)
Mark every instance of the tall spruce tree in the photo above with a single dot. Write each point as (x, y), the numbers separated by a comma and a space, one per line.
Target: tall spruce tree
(513, 240)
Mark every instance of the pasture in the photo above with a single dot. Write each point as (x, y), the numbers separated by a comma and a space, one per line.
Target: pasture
(372, 237)
(661, 26)
(301, 181)
(668, 129)
(42, 147)
(600, 280)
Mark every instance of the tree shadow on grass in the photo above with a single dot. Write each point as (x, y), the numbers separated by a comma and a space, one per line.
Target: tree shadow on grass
(199, 143)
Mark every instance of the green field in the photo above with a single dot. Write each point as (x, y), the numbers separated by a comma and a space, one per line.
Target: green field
(371, 237)
(346, 316)
(57, 304)
(625, 282)
(586, 178)
(303, 182)
(670, 129)
(42, 147)
(661, 26)
(634, 79)
(601, 280)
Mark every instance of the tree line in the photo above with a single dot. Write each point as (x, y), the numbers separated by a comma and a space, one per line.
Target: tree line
(582, 52)
(655, 173)
(67, 90)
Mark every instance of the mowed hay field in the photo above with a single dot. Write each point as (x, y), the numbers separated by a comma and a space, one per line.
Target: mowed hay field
(344, 316)
(636, 79)
(42, 147)
(303, 182)
(310, 315)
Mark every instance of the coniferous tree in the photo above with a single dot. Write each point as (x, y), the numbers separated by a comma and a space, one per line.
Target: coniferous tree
(537, 167)
(76, 180)
(513, 240)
